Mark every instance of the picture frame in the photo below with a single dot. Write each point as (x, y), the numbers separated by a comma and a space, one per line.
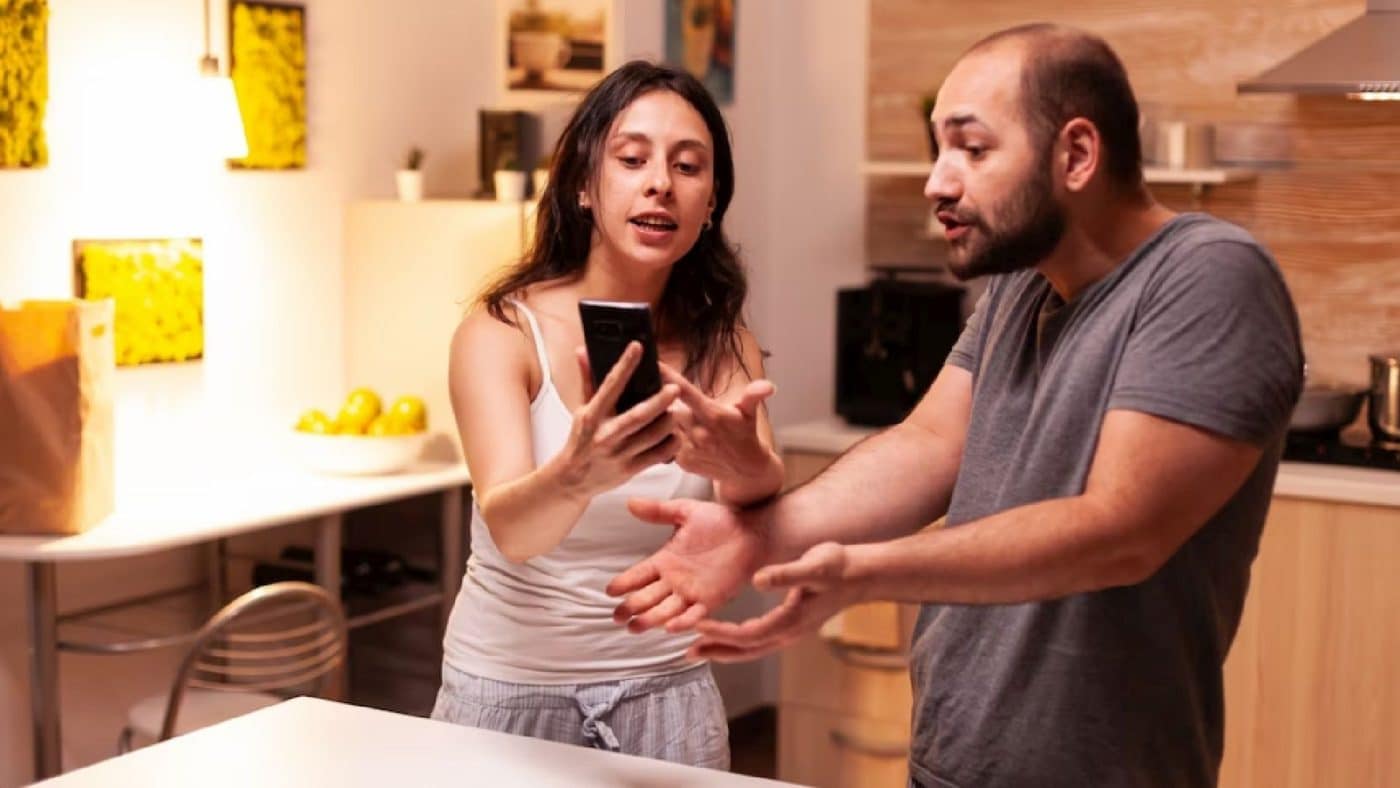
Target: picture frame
(158, 286)
(701, 38)
(267, 63)
(553, 46)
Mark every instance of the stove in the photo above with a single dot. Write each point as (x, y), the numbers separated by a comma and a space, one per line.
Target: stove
(1351, 447)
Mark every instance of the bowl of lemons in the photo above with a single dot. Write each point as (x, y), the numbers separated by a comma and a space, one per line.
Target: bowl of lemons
(365, 438)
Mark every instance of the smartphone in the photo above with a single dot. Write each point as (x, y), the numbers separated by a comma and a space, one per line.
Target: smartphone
(608, 327)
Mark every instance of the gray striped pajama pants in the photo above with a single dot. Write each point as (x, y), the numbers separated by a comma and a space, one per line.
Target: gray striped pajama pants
(675, 717)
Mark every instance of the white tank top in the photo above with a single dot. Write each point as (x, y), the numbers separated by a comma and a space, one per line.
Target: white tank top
(548, 620)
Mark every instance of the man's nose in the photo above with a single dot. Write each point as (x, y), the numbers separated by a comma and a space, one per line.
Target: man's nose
(943, 182)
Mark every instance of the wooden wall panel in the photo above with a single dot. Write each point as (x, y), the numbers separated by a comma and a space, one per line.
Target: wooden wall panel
(1325, 203)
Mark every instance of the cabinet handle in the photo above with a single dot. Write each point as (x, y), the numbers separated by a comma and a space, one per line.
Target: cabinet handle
(864, 657)
(864, 746)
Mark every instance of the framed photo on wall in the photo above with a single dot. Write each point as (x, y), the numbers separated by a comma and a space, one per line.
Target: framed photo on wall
(158, 286)
(267, 61)
(24, 83)
(700, 38)
(554, 46)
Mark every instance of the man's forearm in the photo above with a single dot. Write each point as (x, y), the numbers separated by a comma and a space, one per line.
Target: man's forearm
(885, 487)
(1039, 551)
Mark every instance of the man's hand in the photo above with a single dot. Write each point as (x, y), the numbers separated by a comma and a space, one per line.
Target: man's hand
(712, 554)
(819, 587)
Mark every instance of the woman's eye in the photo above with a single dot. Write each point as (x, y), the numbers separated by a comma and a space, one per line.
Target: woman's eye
(630, 161)
(975, 151)
(688, 168)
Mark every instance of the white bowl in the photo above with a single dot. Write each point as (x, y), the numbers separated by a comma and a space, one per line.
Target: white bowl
(356, 455)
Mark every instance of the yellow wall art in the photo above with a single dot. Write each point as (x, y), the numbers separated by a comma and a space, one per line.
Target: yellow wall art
(267, 47)
(158, 286)
(24, 82)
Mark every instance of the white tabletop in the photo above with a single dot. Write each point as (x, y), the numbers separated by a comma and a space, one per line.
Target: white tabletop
(200, 500)
(307, 741)
(1316, 481)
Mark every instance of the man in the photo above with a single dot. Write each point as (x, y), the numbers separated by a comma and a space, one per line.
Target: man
(1103, 441)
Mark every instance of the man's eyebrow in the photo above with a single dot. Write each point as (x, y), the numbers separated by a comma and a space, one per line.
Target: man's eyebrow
(962, 119)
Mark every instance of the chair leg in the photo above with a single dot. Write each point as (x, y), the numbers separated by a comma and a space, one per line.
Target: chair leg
(124, 741)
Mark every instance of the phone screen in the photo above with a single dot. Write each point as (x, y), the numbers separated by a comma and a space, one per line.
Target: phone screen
(608, 327)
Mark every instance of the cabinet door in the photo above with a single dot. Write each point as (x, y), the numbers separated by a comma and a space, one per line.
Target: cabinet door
(830, 676)
(1312, 691)
(831, 750)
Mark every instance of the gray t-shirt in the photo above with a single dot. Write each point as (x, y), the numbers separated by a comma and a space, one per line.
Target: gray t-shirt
(1120, 687)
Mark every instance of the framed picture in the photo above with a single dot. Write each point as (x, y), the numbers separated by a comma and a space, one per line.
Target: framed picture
(700, 39)
(554, 45)
(24, 83)
(267, 61)
(158, 286)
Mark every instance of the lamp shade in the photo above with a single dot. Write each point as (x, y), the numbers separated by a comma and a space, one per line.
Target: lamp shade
(222, 124)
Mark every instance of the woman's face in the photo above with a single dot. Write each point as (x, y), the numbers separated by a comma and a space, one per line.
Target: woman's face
(655, 183)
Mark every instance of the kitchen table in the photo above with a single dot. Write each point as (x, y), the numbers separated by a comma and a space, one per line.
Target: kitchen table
(309, 741)
(204, 501)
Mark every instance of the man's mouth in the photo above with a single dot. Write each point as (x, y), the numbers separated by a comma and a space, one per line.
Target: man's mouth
(953, 227)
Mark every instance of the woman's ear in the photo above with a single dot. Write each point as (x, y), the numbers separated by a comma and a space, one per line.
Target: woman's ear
(1083, 153)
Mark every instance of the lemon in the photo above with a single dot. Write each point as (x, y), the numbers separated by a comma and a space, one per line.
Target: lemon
(316, 422)
(382, 425)
(409, 414)
(360, 408)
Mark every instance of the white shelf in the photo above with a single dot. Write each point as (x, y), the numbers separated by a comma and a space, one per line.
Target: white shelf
(1196, 177)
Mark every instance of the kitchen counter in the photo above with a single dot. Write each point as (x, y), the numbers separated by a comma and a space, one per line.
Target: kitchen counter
(307, 741)
(1306, 480)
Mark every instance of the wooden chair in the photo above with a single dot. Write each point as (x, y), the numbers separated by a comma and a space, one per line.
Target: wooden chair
(274, 642)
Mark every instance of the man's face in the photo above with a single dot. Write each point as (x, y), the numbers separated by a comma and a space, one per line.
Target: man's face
(991, 184)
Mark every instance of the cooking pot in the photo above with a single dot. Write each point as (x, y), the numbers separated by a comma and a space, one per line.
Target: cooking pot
(1384, 410)
(1326, 407)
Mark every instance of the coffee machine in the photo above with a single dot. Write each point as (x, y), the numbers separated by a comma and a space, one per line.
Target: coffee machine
(892, 337)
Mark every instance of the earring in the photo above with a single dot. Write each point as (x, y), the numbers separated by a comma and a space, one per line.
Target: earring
(710, 223)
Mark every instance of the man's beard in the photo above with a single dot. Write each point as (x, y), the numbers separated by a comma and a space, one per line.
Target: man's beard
(1030, 227)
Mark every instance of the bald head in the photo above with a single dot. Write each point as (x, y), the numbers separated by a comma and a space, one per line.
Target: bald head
(1064, 74)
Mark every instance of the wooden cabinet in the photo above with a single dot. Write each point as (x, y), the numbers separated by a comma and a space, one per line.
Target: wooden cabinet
(1312, 682)
(844, 699)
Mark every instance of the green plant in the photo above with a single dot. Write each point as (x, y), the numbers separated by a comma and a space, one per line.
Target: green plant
(414, 159)
(507, 161)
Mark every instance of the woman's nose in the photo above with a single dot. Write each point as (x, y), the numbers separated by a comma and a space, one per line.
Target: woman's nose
(659, 179)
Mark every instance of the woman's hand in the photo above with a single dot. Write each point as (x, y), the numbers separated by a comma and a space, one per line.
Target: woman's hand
(604, 450)
(721, 440)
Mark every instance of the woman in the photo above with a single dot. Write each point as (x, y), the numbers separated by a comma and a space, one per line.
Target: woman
(634, 211)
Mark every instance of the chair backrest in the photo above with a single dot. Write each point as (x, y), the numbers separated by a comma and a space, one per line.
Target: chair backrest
(276, 637)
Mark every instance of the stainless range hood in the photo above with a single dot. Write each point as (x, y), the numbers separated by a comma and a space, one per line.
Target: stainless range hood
(1359, 60)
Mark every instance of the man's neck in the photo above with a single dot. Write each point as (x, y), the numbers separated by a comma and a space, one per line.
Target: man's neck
(1098, 241)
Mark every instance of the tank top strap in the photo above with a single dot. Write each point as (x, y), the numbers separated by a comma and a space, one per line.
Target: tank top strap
(539, 341)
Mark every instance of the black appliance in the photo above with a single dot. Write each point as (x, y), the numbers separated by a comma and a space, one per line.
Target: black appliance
(508, 139)
(1348, 447)
(892, 338)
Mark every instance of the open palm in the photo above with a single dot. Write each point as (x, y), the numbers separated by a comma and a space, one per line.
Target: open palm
(713, 552)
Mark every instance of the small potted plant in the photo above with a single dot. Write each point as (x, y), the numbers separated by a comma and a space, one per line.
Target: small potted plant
(410, 178)
(509, 178)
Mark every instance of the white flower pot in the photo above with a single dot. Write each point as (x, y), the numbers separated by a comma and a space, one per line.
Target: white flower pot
(410, 183)
(510, 186)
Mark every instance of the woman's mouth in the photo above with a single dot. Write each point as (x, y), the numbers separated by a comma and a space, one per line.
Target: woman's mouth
(654, 226)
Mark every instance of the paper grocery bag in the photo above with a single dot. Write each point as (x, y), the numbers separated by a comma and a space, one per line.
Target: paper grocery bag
(57, 369)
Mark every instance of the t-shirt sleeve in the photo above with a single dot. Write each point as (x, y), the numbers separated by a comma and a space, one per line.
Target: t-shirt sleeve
(967, 351)
(1215, 345)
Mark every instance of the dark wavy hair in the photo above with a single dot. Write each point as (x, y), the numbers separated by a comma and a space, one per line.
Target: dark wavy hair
(703, 299)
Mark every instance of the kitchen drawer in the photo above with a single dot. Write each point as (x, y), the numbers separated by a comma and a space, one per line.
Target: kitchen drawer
(832, 750)
(829, 675)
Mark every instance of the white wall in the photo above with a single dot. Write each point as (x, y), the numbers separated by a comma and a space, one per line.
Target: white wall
(383, 74)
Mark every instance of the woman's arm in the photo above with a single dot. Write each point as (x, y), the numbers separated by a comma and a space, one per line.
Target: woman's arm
(529, 509)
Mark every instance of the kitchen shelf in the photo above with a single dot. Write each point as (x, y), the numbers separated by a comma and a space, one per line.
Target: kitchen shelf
(1198, 179)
